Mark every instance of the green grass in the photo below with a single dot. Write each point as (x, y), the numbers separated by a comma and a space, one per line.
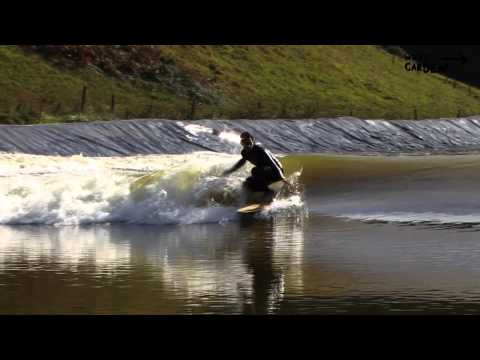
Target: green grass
(252, 81)
(35, 91)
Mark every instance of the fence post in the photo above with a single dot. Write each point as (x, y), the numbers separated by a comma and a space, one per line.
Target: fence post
(84, 99)
(41, 106)
(150, 110)
(112, 104)
(193, 108)
(415, 114)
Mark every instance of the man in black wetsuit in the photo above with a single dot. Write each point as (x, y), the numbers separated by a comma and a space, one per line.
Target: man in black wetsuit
(267, 170)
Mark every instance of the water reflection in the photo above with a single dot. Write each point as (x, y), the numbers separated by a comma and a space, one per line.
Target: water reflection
(239, 268)
(274, 249)
(253, 266)
(199, 266)
(68, 247)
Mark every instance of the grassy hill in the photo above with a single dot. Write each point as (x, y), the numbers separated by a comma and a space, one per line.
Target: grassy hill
(45, 83)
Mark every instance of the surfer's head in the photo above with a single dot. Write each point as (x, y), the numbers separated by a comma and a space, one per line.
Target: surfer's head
(247, 140)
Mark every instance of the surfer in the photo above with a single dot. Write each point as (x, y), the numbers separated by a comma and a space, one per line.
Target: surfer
(267, 171)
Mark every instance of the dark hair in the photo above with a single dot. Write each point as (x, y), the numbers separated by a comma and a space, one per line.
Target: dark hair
(246, 135)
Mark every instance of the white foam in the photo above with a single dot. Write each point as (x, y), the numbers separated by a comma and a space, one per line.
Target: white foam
(416, 218)
(68, 191)
(197, 129)
(80, 190)
(231, 137)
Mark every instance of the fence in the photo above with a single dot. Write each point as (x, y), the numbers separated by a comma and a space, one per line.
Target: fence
(192, 109)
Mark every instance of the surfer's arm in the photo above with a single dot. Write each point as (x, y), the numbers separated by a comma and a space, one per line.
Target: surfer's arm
(237, 166)
(281, 175)
(278, 169)
(275, 165)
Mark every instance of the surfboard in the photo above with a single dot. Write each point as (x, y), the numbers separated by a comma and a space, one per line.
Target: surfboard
(258, 201)
(254, 208)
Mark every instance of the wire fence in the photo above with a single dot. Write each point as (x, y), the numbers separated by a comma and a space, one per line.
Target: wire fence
(87, 109)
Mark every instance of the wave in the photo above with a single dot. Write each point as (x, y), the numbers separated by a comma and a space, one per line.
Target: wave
(341, 135)
(160, 190)
(428, 218)
(442, 189)
(189, 188)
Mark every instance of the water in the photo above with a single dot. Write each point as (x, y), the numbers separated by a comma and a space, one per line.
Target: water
(159, 235)
(339, 135)
(318, 266)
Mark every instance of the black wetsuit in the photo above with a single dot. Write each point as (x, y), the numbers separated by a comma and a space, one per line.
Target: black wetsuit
(267, 168)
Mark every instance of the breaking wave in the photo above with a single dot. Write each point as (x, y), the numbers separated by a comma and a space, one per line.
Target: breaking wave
(162, 189)
(342, 135)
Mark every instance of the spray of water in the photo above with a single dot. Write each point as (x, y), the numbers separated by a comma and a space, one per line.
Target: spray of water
(163, 189)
